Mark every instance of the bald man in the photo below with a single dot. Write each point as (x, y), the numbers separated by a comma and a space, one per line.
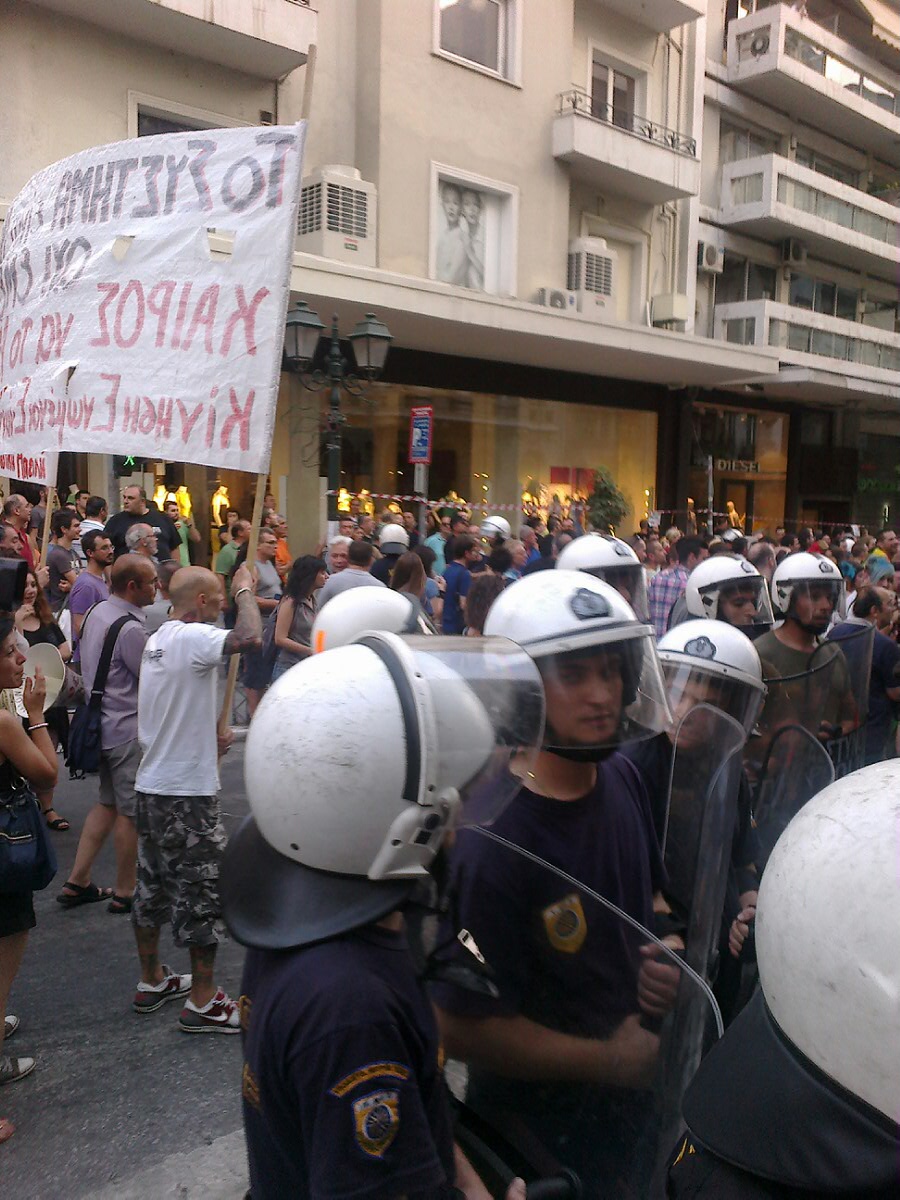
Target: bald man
(180, 835)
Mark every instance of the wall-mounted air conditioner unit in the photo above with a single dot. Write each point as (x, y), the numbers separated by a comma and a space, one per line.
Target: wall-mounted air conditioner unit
(592, 277)
(672, 308)
(338, 216)
(710, 258)
(557, 298)
(793, 252)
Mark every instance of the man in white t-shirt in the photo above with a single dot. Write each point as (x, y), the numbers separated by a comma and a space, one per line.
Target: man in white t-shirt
(180, 835)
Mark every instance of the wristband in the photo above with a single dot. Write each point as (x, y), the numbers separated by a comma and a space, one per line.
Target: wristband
(40, 725)
(241, 591)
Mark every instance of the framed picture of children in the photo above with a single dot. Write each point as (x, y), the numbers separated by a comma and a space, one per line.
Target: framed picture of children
(473, 229)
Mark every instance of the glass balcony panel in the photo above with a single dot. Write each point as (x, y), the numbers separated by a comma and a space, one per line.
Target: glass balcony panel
(748, 189)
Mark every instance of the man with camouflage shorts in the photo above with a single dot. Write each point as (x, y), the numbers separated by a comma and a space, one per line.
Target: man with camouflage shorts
(180, 836)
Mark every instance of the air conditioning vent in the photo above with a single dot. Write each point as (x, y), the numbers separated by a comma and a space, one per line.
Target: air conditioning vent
(710, 258)
(556, 298)
(592, 277)
(337, 217)
(793, 252)
(759, 44)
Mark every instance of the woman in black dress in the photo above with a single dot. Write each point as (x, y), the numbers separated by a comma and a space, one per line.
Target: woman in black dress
(24, 754)
(36, 623)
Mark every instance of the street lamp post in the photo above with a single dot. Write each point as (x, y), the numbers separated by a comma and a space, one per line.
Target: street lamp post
(369, 341)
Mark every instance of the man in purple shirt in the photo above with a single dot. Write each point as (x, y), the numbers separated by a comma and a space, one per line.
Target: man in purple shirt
(133, 588)
(90, 587)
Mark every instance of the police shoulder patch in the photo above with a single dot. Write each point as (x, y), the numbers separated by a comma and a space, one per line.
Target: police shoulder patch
(368, 1072)
(565, 924)
(376, 1120)
(586, 605)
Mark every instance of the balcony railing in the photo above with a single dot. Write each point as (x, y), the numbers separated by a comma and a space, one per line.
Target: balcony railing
(579, 101)
(781, 198)
(792, 63)
(798, 331)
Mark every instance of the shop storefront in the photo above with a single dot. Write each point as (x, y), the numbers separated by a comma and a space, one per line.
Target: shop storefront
(494, 452)
(747, 452)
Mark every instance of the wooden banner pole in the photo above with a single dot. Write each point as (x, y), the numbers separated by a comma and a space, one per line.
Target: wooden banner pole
(48, 512)
(225, 715)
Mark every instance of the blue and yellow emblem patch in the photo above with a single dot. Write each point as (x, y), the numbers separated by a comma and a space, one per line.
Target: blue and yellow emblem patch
(377, 1120)
(565, 924)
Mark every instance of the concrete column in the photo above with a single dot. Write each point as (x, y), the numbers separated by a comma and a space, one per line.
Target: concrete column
(306, 526)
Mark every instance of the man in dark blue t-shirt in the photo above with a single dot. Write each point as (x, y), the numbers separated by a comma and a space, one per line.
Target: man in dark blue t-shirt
(458, 577)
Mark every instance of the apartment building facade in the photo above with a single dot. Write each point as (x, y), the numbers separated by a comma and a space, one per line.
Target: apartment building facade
(799, 251)
(523, 193)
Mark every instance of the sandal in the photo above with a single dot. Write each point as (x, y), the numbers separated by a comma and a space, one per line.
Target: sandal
(119, 904)
(58, 824)
(10, 1025)
(90, 894)
(12, 1069)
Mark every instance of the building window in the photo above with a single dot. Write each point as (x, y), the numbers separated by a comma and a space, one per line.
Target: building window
(612, 94)
(807, 157)
(482, 33)
(744, 280)
(737, 144)
(473, 231)
(817, 295)
(149, 124)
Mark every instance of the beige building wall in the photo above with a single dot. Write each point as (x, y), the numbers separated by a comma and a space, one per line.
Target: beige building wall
(66, 87)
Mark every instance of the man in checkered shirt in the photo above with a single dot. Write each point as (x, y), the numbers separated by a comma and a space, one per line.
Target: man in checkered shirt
(668, 585)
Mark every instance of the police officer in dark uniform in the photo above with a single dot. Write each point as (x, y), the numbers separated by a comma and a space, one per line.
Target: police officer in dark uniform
(343, 1088)
(800, 1097)
(560, 1060)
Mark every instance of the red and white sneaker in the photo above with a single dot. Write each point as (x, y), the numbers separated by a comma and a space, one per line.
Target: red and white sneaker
(220, 1015)
(149, 997)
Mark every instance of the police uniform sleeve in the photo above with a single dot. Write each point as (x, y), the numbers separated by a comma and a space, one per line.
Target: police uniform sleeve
(365, 1120)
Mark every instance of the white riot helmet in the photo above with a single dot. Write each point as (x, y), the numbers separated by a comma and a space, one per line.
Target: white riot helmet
(345, 616)
(817, 1050)
(495, 528)
(612, 560)
(728, 588)
(712, 664)
(583, 636)
(358, 764)
(393, 539)
(805, 570)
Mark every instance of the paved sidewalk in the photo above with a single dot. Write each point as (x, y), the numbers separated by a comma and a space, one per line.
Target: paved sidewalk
(214, 1172)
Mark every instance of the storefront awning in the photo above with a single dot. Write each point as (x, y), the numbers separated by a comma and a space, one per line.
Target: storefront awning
(822, 387)
(885, 18)
(427, 316)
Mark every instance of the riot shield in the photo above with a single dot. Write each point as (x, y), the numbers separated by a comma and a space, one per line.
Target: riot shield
(704, 787)
(786, 759)
(847, 744)
(574, 1064)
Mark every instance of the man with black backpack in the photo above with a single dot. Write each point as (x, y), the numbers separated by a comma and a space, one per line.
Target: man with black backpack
(117, 625)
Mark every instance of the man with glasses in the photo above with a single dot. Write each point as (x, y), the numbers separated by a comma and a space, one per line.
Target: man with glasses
(136, 509)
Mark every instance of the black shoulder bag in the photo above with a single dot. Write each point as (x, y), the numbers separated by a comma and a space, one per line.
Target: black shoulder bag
(84, 731)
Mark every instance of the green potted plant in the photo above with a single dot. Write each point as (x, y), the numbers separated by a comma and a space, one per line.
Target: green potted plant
(606, 504)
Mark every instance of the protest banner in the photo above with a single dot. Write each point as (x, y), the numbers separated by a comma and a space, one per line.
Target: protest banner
(30, 468)
(143, 291)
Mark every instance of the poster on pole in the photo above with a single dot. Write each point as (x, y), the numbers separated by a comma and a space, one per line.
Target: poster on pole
(143, 291)
(421, 426)
(30, 468)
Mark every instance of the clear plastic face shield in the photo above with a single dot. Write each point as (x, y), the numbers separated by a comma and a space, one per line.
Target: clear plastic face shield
(470, 706)
(813, 603)
(690, 685)
(745, 603)
(630, 581)
(603, 695)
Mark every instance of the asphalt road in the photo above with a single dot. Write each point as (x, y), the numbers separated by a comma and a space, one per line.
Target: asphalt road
(119, 1105)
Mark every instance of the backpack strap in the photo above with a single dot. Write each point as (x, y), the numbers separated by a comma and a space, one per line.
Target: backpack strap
(109, 645)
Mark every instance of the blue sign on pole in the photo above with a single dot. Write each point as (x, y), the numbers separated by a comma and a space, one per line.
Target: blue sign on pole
(421, 426)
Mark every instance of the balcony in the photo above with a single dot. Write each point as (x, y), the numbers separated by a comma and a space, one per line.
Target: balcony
(772, 197)
(791, 63)
(658, 15)
(263, 38)
(624, 154)
(811, 339)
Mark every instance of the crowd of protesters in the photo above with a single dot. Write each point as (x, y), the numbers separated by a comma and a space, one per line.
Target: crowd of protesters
(131, 572)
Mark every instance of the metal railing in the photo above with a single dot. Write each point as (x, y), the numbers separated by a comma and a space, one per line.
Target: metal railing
(579, 101)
